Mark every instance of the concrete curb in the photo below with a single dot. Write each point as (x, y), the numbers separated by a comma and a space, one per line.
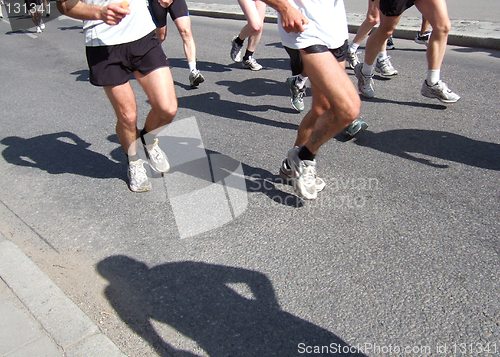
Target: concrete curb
(481, 34)
(72, 330)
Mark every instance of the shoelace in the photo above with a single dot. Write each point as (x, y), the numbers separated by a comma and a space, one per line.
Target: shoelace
(386, 63)
(443, 86)
(252, 61)
(309, 174)
(137, 172)
(154, 151)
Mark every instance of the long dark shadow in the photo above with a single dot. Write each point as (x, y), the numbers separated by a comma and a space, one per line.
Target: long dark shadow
(59, 153)
(226, 311)
(443, 145)
(211, 103)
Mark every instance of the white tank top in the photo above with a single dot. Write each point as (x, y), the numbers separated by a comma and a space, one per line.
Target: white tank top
(327, 24)
(132, 27)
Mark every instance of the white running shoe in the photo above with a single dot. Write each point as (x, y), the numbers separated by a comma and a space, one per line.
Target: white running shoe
(352, 59)
(303, 175)
(235, 52)
(286, 175)
(365, 83)
(157, 158)
(138, 180)
(195, 78)
(296, 94)
(252, 64)
(38, 29)
(423, 38)
(440, 91)
(42, 25)
(385, 68)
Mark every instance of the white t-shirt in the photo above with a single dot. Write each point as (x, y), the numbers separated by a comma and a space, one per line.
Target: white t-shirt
(327, 24)
(132, 27)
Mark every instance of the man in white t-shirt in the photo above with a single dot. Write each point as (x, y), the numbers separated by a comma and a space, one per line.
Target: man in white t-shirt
(335, 102)
(120, 41)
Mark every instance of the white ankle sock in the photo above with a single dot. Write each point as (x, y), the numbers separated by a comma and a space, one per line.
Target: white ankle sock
(353, 47)
(382, 55)
(433, 76)
(192, 66)
(367, 69)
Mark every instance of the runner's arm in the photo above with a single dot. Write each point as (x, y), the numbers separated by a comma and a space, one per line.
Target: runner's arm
(291, 18)
(111, 14)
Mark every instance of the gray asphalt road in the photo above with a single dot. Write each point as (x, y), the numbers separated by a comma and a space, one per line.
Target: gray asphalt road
(483, 10)
(401, 249)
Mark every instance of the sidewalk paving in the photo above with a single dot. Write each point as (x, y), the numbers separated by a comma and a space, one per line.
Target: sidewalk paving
(36, 316)
(465, 33)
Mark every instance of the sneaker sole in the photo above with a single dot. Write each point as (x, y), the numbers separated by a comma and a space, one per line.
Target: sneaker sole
(140, 190)
(197, 82)
(296, 108)
(252, 69)
(447, 101)
(385, 75)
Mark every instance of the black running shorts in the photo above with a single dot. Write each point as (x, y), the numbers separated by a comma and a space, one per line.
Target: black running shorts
(395, 7)
(339, 53)
(296, 64)
(177, 9)
(112, 65)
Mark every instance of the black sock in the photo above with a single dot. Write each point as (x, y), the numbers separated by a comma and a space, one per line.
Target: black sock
(142, 134)
(239, 41)
(247, 55)
(305, 154)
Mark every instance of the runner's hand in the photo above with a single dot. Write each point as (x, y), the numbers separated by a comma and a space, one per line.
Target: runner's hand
(165, 3)
(113, 13)
(293, 20)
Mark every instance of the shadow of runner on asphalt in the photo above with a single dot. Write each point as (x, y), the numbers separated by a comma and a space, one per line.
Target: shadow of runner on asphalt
(407, 103)
(60, 153)
(203, 302)
(255, 87)
(257, 180)
(491, 52)
(439, 144)
(203, 66)
(211, 103)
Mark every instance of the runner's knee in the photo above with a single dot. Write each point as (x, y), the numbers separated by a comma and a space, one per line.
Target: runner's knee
(166, 111)
(185, 33)
(128, 119)
(442, 27)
